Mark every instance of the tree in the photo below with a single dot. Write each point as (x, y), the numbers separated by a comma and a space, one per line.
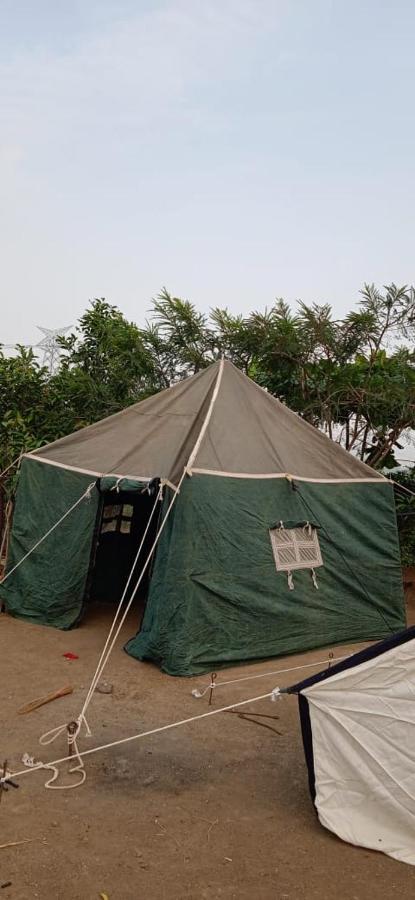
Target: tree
(405, 509)
(337, 374)
(22, 386)
(178, 338)
(106, 365)
(348, 377)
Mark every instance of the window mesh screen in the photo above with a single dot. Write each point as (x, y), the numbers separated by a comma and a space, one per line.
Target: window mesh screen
(295, 548)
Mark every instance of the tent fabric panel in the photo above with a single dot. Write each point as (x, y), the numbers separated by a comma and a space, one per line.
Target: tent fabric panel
(362, 731)
(48, 588)
(407, 634)
(216, 598)
(152, 438)
(251, 431)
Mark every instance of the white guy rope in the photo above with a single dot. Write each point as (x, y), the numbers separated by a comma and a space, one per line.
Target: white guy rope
(78, 766)
(96, 674)
(101, 666)
(215, 684)
(87, 494)
(135, 737)
(55, 732)
(109, 644)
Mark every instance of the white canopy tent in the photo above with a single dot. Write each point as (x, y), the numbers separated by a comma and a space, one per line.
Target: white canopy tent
(358, 725)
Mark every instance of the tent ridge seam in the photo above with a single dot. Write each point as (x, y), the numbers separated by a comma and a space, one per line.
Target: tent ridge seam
(207, 419)
(59, 465)
(289, 476)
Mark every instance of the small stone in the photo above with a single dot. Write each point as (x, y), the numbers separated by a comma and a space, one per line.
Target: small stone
(104, 687)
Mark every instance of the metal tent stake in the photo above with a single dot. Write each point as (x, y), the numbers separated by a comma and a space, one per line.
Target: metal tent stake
(213, 678)
(5, 782)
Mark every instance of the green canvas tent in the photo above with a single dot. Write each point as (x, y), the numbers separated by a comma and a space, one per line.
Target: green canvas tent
(278, 540)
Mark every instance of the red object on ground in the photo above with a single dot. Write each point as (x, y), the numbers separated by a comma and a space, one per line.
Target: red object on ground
(70, 656)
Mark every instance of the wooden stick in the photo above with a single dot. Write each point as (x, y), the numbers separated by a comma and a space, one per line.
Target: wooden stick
(16, 843)
(40, 701)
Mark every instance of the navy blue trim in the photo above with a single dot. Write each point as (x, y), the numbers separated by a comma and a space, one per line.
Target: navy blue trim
(362, 656)
(307, 736)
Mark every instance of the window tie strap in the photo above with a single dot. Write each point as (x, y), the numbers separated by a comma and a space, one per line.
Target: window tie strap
(314, 577)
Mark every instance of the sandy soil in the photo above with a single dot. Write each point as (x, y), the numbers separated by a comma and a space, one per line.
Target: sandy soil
(217, 809)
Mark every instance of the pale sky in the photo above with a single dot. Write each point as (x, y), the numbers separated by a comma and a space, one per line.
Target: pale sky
(232, 150)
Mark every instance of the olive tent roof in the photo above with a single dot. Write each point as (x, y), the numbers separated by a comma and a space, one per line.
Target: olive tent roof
(218, 422)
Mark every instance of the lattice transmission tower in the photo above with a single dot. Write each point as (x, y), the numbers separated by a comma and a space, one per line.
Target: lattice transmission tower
(50, 346)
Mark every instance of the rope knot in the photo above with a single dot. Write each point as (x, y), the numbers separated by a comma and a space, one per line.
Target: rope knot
(89, 490)
(72, 730)
(198, 693)
(275, 695)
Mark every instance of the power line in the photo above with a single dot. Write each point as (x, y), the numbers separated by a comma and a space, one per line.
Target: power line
(49, 345)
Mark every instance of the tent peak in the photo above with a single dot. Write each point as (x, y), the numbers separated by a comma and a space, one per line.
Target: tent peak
(218, 422)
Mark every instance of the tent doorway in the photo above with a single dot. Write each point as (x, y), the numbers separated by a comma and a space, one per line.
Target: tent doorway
(121, 523)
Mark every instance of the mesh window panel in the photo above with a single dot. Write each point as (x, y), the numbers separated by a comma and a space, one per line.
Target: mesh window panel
(109, 526)
(295, 548)
(125, 526)
(110, 512)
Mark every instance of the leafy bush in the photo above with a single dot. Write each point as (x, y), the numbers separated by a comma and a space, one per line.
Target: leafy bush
(405, 510)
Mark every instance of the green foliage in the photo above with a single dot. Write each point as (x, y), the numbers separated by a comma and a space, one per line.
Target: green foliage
(22, 386)
(405, 510)
(183, 333)
(106, 365)
(348, 377)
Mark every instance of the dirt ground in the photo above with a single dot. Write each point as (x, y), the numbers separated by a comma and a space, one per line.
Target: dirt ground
(215, 809)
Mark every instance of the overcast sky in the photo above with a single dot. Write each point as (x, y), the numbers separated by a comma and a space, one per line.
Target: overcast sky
(232, 150)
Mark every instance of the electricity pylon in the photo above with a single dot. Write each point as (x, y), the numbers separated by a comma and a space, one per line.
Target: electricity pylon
(50, 346)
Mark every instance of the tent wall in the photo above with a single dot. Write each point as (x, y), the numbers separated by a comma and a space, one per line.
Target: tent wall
(48, 588)
(357, 721)
(216, 598)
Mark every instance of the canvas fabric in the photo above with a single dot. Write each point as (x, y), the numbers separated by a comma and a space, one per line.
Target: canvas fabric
(216, 598)
(49, 587)
(249, 432)
(358, 725)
